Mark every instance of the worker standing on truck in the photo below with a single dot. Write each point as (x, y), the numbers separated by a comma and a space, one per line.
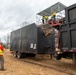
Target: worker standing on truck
(53, 16)
(46, 18)
(1, 56)
(43, 18)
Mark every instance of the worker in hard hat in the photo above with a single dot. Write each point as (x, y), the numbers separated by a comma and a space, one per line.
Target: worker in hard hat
(43, 18)
(53, 16)
(46, 18)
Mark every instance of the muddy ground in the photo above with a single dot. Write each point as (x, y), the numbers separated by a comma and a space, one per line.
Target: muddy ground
(39, 65)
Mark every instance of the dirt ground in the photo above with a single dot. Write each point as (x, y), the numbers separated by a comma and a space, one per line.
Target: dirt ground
(39, 65)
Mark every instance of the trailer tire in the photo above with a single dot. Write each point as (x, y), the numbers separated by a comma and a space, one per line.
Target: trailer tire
(24, 55)
(74, 58)
(14, 54)
(19, 55)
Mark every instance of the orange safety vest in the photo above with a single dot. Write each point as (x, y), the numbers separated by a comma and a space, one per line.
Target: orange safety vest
(1, 52)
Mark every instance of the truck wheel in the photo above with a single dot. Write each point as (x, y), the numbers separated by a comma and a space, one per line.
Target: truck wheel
(74, 58)
(14, 54)
(24, 55)
(19, 54)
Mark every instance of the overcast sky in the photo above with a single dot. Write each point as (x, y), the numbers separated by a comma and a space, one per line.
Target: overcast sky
(14, 12)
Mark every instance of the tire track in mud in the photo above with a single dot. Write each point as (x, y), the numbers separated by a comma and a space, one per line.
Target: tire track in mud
(46, 65)
(59, 66)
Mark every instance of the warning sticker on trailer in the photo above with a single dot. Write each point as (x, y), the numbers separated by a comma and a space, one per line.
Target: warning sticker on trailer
(34, 46)
(31, 45)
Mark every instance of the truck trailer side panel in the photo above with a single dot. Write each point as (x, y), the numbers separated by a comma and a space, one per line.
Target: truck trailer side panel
(44, 42)
(68, 31)
(15, 40)
(30, 39)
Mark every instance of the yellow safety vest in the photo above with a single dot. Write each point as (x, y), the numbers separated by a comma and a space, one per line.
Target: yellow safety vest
(46, 17)
(53, 14)
(1, 52)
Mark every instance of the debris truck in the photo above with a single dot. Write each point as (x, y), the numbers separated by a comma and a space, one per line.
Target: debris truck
(30, 40)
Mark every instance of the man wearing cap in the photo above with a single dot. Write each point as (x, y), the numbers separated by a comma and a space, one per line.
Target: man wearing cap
(53, 16)
(1, 56)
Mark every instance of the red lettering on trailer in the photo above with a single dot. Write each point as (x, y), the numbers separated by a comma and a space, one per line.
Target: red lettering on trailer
(69, 50)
